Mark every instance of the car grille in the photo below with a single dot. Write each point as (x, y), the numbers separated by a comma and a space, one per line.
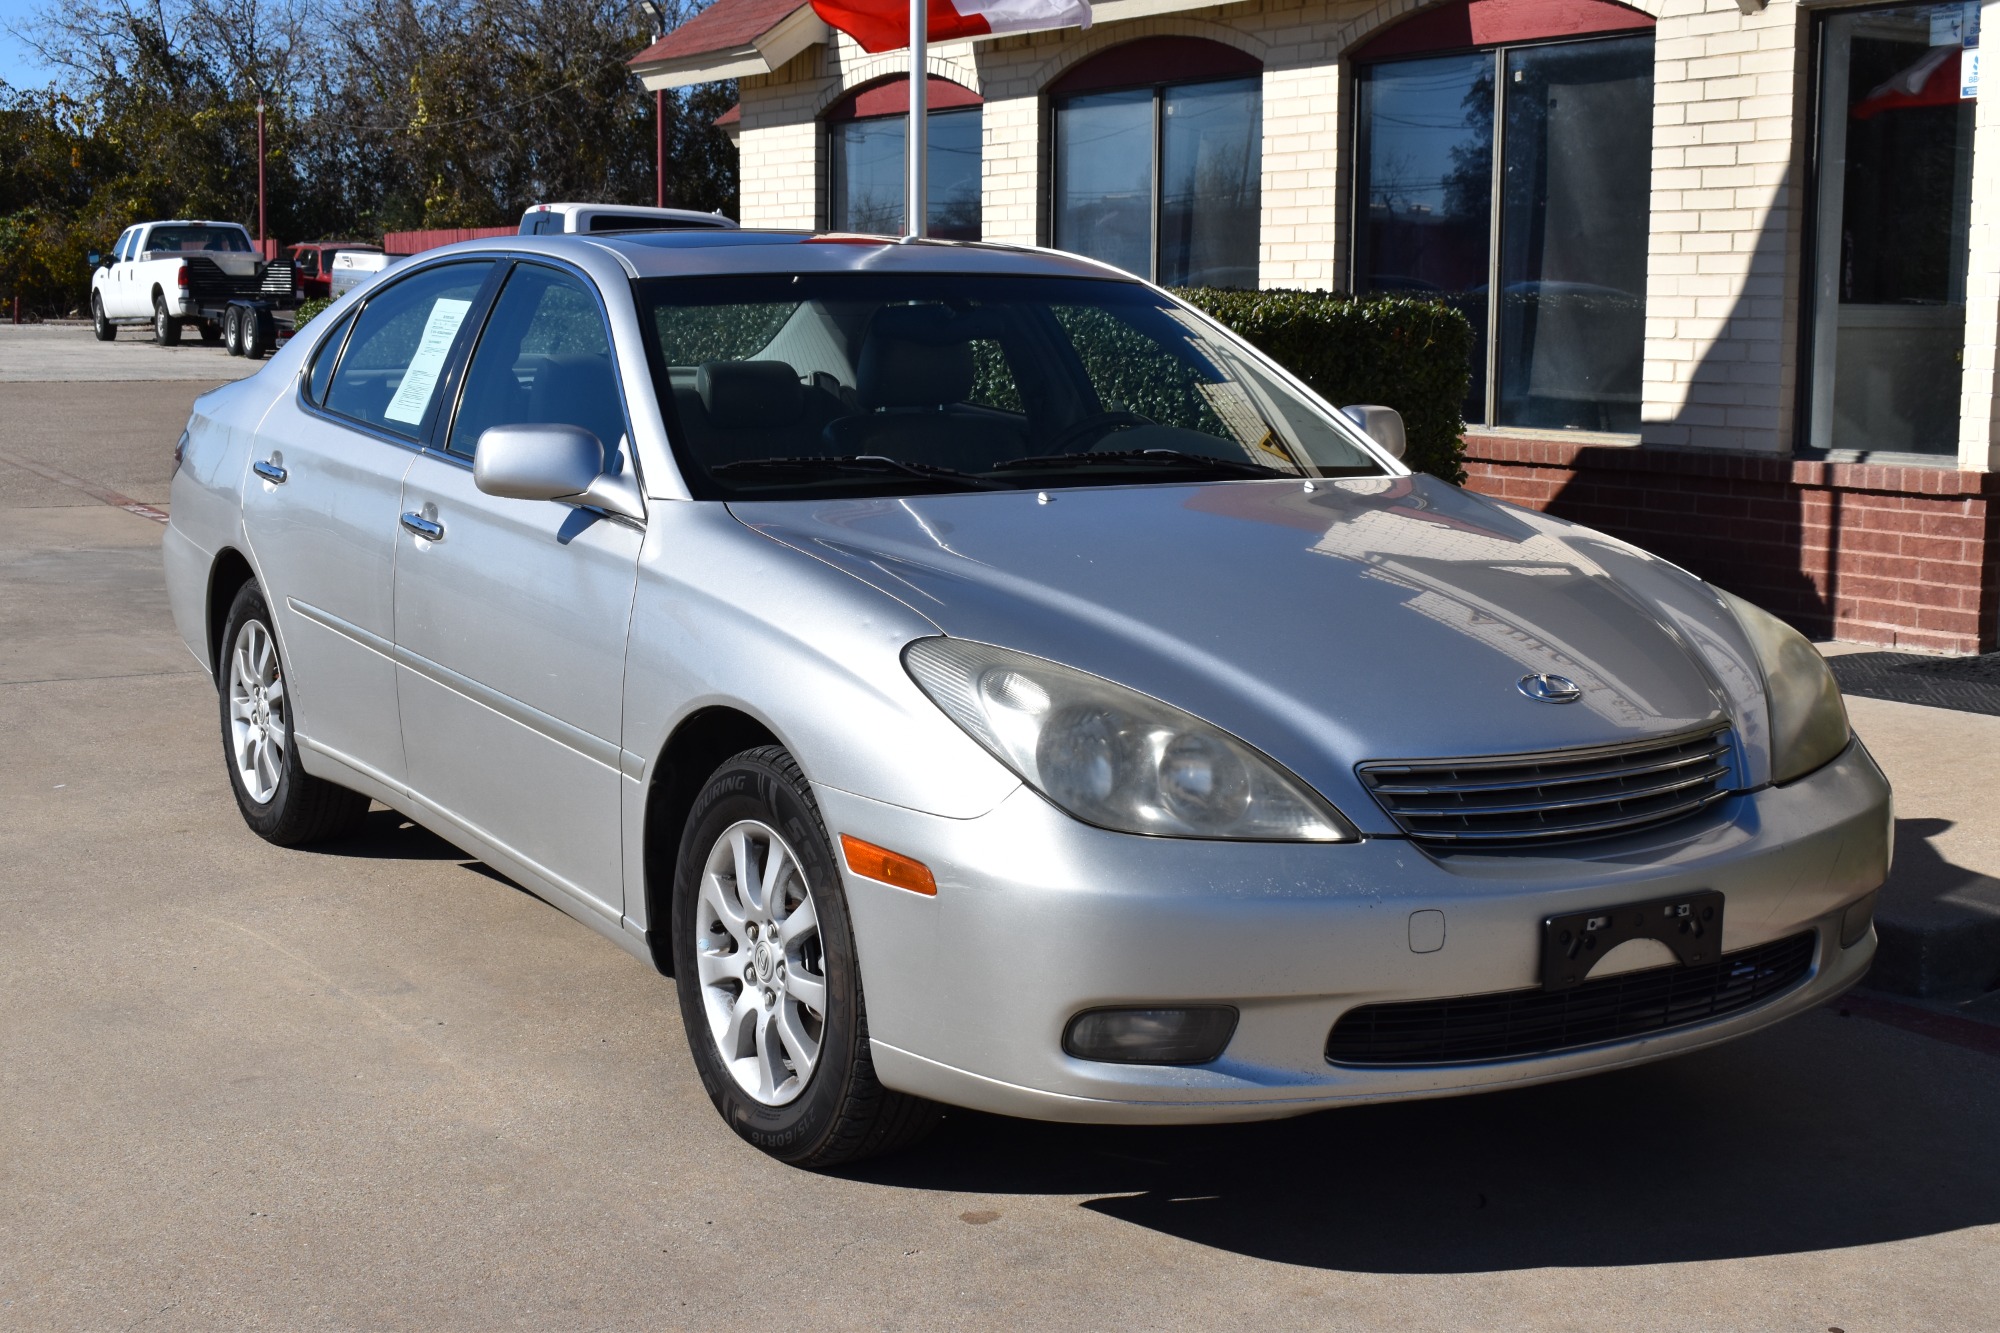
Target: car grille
(1555, 796)
(1509, 1024)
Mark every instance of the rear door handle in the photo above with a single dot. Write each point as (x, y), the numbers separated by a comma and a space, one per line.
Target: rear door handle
(423, 527)
(270, 472)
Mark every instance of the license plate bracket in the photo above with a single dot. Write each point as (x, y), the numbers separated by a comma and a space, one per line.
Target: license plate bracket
(1690, 924)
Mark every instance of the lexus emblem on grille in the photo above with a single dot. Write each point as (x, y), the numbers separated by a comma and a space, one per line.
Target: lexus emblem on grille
(1548, 689)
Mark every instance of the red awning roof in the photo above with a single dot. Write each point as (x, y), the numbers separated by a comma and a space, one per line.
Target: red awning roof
(723, 26)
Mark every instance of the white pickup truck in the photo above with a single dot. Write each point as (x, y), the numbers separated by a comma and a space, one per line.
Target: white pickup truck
(171, 274)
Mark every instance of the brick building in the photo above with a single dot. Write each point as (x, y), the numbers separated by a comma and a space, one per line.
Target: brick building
(1735, 266)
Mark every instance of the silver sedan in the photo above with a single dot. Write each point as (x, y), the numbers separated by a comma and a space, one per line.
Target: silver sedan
(978, 678)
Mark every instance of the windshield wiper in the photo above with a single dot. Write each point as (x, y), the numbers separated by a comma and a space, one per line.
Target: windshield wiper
(875, 464)
(1176, 458)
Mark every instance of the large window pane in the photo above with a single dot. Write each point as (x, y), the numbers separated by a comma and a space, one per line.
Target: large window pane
(1894, 204)
(1576, 176)
(868, 158)
(1426, 141)
(1211, 142)
(1104, 178)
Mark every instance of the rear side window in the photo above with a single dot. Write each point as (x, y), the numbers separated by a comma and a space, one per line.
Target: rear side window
(544, 359)
(543, 224)
(324, 357)
(402, 338)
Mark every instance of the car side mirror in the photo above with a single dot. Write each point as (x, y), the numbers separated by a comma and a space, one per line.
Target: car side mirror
(1384, 425)
(564, 463)
(96, 259)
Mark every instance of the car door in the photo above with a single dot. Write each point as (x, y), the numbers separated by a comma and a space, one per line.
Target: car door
(511, 615)
(117, 290)
(322, 502)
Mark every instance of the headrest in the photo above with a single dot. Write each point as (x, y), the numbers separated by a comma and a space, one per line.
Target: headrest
(743, 394)
(896, 370)
(567, 382)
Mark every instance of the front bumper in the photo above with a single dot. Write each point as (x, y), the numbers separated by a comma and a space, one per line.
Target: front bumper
(1038, 916)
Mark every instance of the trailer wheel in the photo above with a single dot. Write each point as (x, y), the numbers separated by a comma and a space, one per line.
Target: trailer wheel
(257, 333)
(232, 330)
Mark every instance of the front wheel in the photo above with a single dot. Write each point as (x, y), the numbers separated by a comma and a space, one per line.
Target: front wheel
(166, 329)
(99, 325)
(769, 988)
(280, 801)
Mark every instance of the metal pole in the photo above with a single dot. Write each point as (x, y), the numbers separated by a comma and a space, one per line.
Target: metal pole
(659, 148)
(263, 246)
(916, 197)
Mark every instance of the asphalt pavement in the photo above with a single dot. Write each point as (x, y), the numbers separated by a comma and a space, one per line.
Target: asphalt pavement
(376, 1086)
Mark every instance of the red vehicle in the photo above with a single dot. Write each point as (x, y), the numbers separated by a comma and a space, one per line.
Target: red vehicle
(314, 262)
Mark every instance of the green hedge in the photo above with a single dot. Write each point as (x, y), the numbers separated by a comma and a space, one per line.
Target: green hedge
(1409, 354)
(307, 310)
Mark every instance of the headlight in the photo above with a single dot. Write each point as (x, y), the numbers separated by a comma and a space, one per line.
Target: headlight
(1114, 757)
(1808, 721)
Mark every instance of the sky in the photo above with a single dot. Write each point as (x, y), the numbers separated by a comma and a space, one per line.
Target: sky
(15, 66)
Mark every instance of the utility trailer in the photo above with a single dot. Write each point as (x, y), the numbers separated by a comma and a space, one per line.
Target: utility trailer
(245, 307)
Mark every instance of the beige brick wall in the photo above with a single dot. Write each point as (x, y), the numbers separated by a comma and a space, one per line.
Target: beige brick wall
(1722, 276)
(1731, 125)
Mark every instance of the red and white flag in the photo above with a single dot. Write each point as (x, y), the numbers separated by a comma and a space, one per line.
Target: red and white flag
(884, 25)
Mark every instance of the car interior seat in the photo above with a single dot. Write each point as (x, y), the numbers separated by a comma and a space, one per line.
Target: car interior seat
(914, 374)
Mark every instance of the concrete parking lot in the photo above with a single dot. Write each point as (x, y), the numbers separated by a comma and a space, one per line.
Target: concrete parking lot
(376, 1086)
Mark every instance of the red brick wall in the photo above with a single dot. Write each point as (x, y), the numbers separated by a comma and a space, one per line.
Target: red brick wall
(1899, 556)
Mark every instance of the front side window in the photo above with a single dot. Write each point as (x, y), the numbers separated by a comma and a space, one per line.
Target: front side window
(859, 384)
(1514, 184)
(388, 374)
(544, 358)
(866, 174)
(1163, 181)
(1893, 217)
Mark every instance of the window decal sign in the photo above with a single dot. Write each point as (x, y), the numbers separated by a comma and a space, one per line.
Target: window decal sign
(413, 395)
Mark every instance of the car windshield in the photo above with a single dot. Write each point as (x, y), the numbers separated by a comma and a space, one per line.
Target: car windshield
(851, 384)
(188, 240)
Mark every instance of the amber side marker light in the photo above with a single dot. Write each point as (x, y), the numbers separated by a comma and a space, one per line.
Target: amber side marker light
(879, 863)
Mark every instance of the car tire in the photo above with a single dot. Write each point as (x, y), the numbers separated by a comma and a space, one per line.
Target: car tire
(166, 329)
(748, 968)
(211, 333)
(99, 325)
(232, 331)
(280, 801)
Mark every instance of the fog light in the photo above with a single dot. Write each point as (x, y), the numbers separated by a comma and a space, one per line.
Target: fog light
(1854, 922)
(1151, 1036)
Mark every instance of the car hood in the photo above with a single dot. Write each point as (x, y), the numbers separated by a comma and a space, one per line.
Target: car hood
(1375, 618)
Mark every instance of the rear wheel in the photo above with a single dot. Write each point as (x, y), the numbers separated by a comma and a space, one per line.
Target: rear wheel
(764, 961)
(256, 326)
(99, 325)
(166, 329)
(280, 801)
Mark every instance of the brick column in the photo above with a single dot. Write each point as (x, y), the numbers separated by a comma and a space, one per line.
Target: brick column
(1979, 415)
(1721, 297)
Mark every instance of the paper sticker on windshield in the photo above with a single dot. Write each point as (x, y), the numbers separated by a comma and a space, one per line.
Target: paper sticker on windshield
(413, 395)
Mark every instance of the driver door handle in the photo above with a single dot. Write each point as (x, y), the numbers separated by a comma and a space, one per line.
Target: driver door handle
(424, 527)
(270, 472)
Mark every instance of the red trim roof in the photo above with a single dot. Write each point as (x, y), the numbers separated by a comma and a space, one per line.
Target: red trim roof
(723, 26)
(891, 97)
(1466, 24)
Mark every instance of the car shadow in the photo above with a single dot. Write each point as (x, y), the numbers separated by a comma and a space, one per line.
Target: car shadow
(387, 835)
(1825, 1133)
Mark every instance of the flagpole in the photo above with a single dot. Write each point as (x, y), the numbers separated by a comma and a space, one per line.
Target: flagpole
(916, 210)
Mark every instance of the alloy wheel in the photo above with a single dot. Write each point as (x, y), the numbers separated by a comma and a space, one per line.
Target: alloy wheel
(762, 970)
(258, 722)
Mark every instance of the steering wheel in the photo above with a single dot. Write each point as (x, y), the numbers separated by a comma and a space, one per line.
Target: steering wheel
(1103, 423)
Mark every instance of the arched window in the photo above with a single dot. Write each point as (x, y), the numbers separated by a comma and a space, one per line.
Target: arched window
(1159, 154)
(1504, 162)
(866, 146)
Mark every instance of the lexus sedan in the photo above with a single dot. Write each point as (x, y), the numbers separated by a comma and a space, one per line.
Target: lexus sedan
(977, 678)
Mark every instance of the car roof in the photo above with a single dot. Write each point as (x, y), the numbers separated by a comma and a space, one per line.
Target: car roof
(659, 254)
